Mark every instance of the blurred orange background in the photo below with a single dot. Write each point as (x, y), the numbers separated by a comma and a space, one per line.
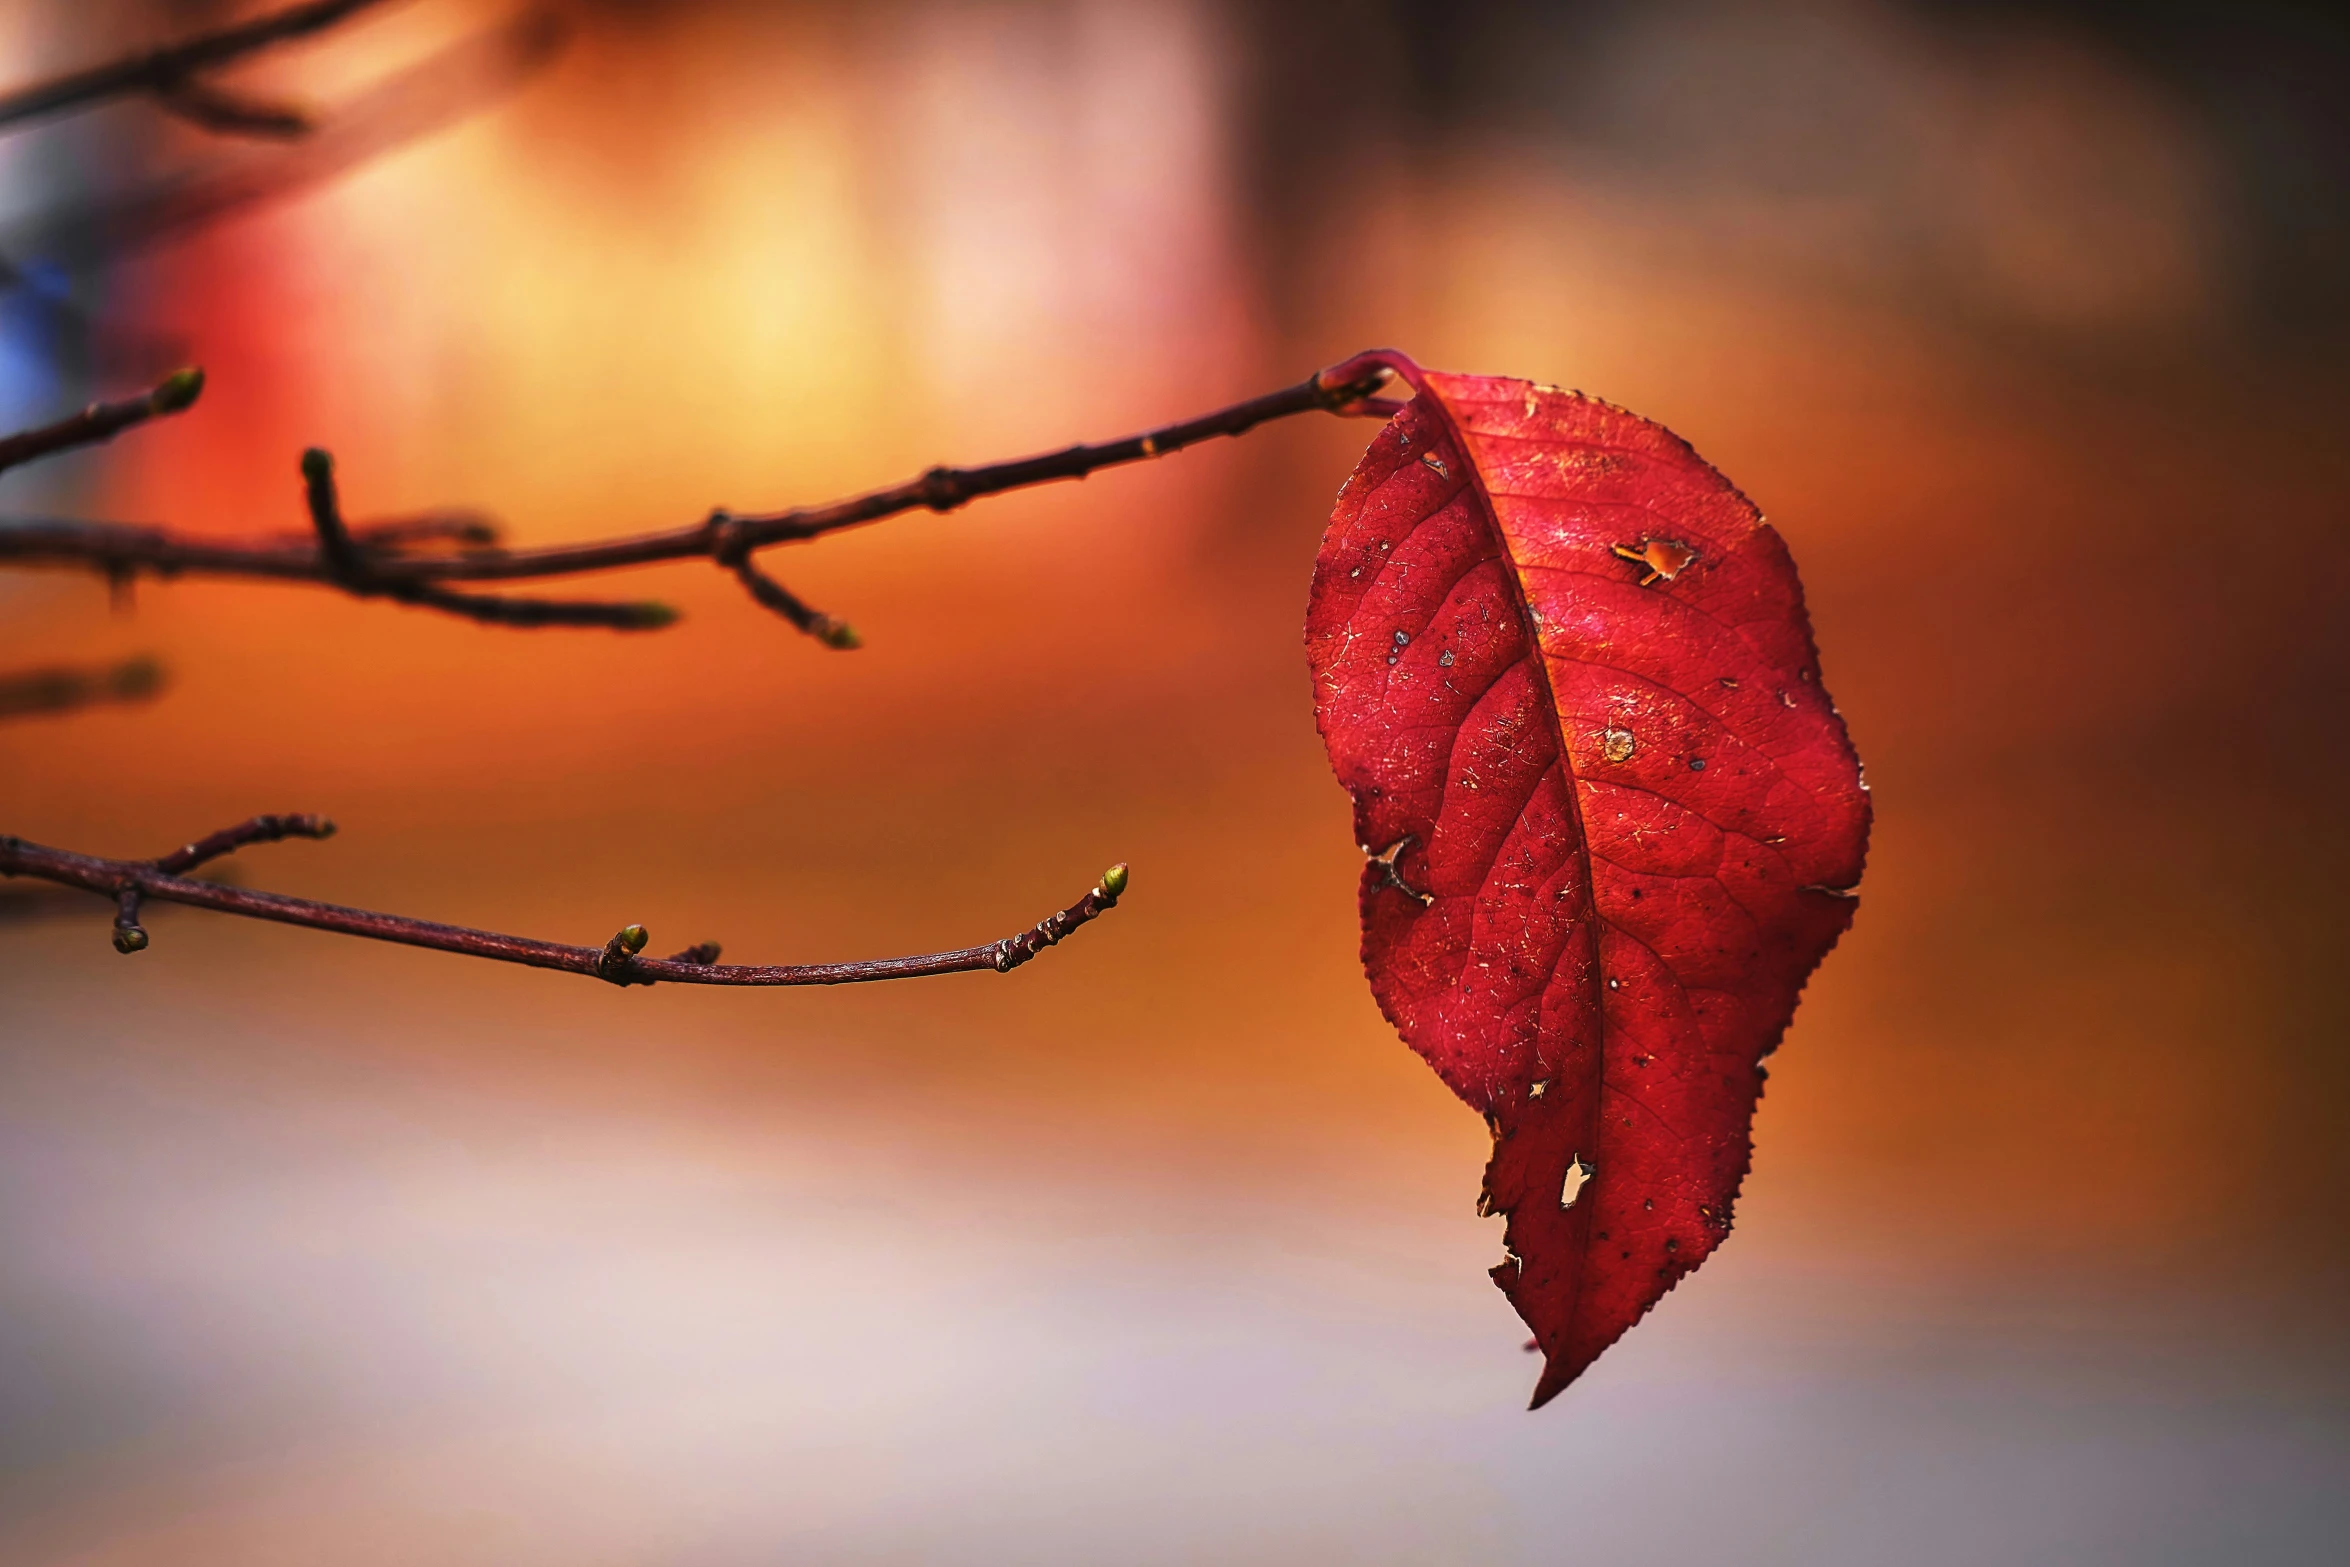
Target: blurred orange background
(2023, 324)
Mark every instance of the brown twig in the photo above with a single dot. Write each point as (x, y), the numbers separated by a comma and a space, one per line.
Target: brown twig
(166, 71)
(356, 571)
(253, 829)
(175, 393)
(132, 882)
(725, 537)
(62, 688)
(774, 595)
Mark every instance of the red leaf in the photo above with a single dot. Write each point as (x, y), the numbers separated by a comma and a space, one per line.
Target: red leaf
(1613, 820)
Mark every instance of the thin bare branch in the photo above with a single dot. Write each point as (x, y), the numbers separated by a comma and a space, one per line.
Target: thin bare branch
(175, 393)
(725, 537)
(133, 882)
(775, 596)
(940, 489)
(63, 688)
(160, 71)
(254, 829)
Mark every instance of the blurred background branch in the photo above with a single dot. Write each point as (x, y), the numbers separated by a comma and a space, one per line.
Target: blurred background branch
(66, 688)
(171, 74)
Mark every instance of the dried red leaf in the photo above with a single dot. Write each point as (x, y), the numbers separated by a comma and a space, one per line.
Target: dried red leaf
(1612, 819)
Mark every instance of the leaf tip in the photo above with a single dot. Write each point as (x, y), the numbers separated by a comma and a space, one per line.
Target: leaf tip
(1558, 1373)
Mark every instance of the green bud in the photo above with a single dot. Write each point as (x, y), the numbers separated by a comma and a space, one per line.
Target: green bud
(652, 615)
(129, 939)
(838, 634)
(634, 937)
(318, 465)
(178, 390)
(1114, 880)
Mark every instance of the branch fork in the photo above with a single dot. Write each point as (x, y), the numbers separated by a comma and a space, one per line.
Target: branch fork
(362, 573)
(129, 935)
(730, 548)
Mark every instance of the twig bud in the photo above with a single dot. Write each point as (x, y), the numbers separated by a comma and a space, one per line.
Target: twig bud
(178, 390)
(128, 937)
(650, 615)
(318, 465)
(838, 634)
(1114, 880)
(1354, 378)
(634, 937)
